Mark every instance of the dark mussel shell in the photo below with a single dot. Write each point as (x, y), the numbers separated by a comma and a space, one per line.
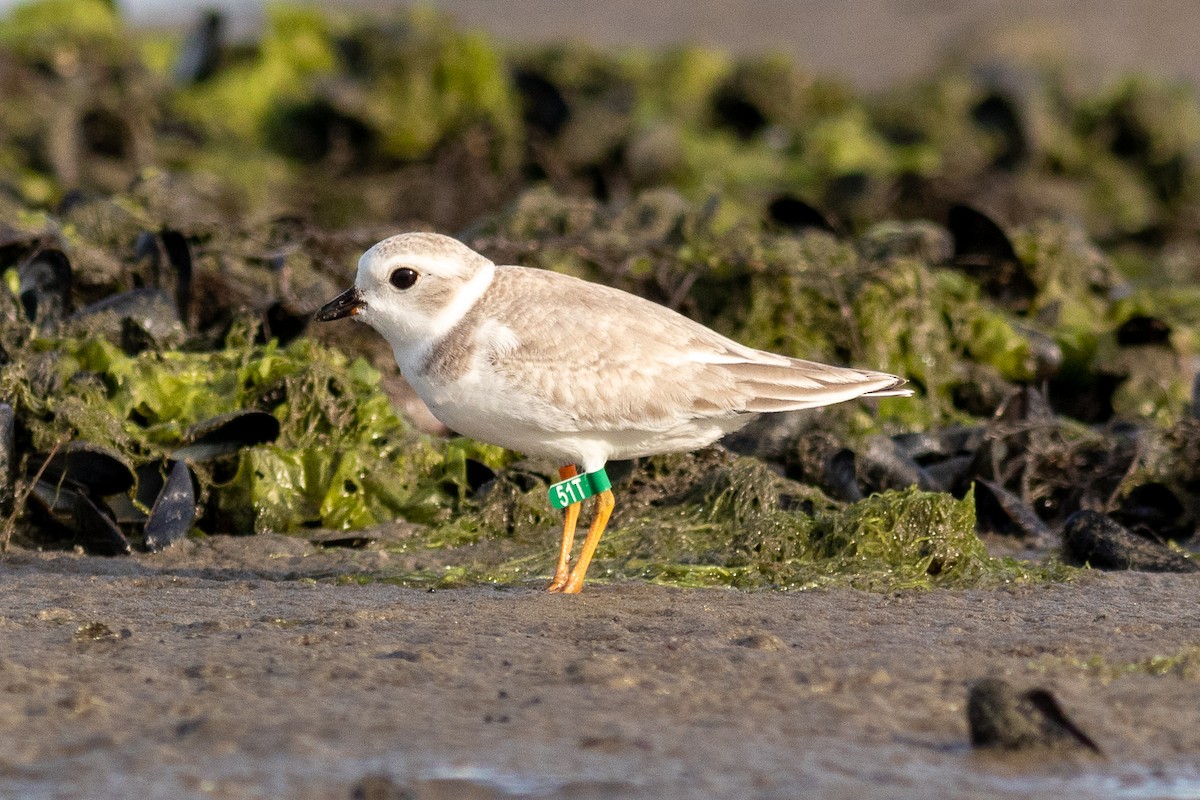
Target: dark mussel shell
(543, 107)
(1155, 511)
(998, 115)
(56, 500)
(841, 471)
(793, 214)
(314, 130)
(978, 240)
(983, 251)
(479, 475)
(821, 460)
(151, 478)
(151, 310)
(1140, 330)
(200, 55)
(96, 531)
(952, 474)
(947, 456)
(98, 469)
(130, 512)
(882, 465)
(174, 511)
(282, 322)
(1090, 537)
(78, 516)
(227, 433)
(179, 256)
(45, 286)
(998, 510)
(931, 446)
(734, 111)
(999, 716)
(172, 246)
(1089, 400)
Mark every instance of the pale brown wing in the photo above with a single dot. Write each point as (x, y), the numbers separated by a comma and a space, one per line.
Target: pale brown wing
(611, 360)
(803, 384)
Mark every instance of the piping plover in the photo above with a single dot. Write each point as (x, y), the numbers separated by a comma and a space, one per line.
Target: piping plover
(551, 365)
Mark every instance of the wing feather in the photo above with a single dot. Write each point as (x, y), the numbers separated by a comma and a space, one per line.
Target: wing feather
(603, 359)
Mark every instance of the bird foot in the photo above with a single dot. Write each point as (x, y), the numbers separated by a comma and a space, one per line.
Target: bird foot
(564, 584)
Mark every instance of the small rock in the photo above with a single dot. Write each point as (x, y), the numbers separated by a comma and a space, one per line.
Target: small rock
(761, 640)
(97, 632)
(379, 787)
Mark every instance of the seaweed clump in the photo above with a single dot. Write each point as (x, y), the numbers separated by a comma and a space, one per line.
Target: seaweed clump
(714, 519)
(754, 532)
(335, 454)
(170, 215)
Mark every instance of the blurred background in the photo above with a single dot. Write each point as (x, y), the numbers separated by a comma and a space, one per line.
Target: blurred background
(869, 42)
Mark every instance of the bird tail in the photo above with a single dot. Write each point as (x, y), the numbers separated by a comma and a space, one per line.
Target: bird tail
(797, 384)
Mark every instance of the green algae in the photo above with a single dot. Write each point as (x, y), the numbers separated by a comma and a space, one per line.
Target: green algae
(61, 28)
(1184, 663)
(715, 520)
(905, 539)
(444, 83)
(344, 459)
(422, 81)
(296, 48)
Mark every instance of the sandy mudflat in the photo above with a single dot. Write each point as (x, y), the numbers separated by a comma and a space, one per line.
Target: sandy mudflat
(239, 668)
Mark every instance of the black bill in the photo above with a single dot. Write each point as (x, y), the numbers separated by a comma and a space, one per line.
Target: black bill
(346, 304)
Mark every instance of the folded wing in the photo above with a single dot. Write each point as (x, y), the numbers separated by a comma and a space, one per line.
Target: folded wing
(609, 360)
(799, 384)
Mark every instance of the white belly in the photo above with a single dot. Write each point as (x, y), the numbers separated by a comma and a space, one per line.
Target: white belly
(472, 408)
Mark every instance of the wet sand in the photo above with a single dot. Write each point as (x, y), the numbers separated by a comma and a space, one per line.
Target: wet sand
(243, 668)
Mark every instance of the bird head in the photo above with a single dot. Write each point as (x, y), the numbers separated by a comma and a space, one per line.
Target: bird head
(413, 287)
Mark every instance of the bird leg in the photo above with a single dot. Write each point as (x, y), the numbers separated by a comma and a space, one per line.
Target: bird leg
(568, 536)
(604, 508)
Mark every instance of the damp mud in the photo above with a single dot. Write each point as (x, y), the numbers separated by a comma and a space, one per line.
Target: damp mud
(242, 667)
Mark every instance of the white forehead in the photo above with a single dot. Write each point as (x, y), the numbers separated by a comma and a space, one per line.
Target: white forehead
(424, 252)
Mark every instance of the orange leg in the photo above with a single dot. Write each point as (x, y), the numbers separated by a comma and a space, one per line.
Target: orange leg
(604, 508)
(568, 536)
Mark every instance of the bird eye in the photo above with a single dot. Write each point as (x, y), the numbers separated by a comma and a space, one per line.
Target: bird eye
(404, 278)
